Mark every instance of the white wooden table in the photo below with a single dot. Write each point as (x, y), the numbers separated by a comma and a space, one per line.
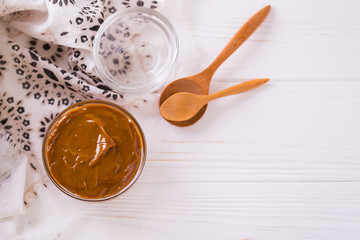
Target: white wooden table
(279, 162)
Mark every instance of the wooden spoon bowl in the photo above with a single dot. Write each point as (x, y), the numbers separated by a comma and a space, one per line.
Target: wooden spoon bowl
(184, 85)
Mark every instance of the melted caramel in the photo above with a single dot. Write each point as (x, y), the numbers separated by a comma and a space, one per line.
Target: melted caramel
(94, 150)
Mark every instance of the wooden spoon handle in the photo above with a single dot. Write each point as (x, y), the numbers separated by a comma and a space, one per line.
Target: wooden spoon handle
(239, 38)
(239, 88)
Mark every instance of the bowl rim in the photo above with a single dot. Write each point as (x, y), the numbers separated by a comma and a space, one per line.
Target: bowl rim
(133, 180)
(170, 32)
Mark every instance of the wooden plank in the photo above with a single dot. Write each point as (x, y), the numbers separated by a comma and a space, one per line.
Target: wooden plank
(299, 39)
(225, 211)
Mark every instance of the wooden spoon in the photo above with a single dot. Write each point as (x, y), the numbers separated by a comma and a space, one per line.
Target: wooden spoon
(183, 106)
(199, 83)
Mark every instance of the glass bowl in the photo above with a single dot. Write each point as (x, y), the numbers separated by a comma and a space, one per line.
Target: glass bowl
(135, 50)
(65, 151)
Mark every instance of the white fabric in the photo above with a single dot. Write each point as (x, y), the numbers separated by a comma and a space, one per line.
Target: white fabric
(12, 182)
(13, 173)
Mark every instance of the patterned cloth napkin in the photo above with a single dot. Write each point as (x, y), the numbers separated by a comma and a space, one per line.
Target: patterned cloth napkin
(12, 182)
(45, 66)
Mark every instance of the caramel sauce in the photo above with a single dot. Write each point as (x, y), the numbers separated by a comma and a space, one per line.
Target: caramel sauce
(93, 150)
